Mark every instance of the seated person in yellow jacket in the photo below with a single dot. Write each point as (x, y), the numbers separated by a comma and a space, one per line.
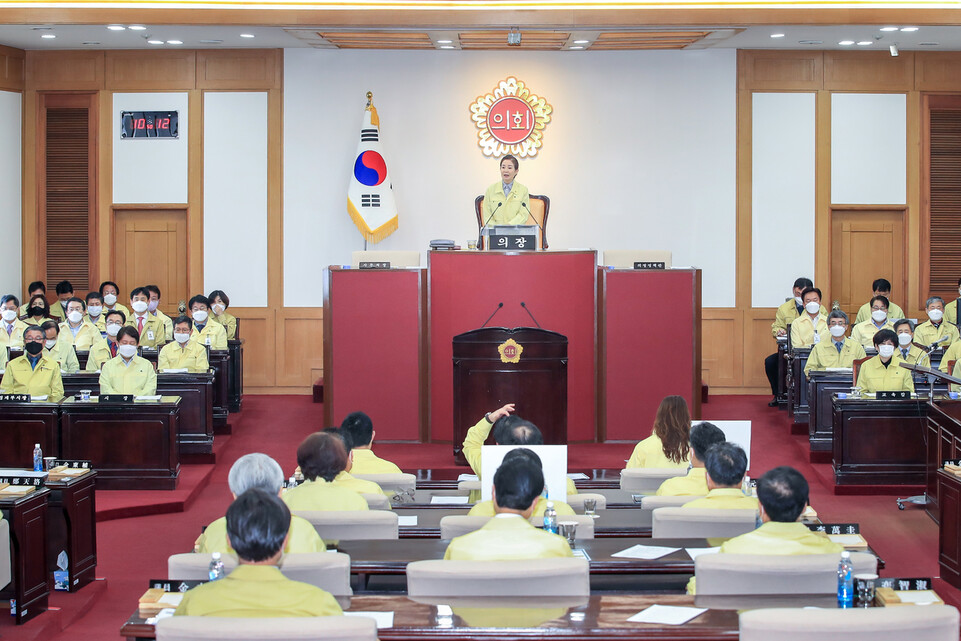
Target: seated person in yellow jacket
(486, 508)
(883, 373)
(935, 330)
(219, 302)
(321, 458)
(95, 315)
(153, 306)
(205, 331)
(38, 311)
(703, 437)
(150, 328)
(669, 443)
(344, 478)
(61, 351)
(36, 288)
(109, 291)
(953, 353)
(951, 309)
(881, 287)
(183, 353)
(507, 202)
(103, 351)
(128, 373)
(359, 430)
(837, 352)
(907, 350)
(77, 330)
(812, 326)
(258, 525)
(509, 535)
(11, 327)
(64, 293)
(864, 331)
(726, 464)
(786, 314)
(34, 373)
(263, 473)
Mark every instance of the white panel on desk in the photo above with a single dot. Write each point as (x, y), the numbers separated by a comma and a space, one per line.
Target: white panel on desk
(150, 170)
(235, 196)
(783, 190)
(868, 147)
(640, 153)
(10, 186)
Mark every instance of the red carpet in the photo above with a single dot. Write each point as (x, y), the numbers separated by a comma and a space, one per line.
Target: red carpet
(134, 550)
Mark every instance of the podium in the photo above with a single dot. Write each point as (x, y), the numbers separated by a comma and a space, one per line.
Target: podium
(525, 365)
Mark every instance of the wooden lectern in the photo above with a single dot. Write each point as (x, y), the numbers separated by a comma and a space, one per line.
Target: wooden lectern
(525, 365)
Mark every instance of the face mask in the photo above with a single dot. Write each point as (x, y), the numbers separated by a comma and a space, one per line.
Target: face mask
(886, 351)
(113, 330)
(813, 307)
(879, 315)
(110, 299)
(139, 306)
(33, 348)
(181, 338)
(94, 310)
(219, 309)
(50, 343)
(152, 305)
(797, 299)
(74, 317)
(9, 315)
(127, 351)
(935, 315)
(36, 311)
(837, 331)
(904, 339)
(200, 316)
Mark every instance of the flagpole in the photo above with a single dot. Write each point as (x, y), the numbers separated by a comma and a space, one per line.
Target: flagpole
(370, 96)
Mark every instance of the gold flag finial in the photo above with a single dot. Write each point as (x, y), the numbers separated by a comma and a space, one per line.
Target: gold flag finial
(370, 95)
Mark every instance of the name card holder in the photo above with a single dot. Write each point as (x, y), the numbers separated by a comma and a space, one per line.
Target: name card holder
(116, 398)
(902, 395)
(835, 528)
(374, 264)
(75, 464)
(175, 585)
(14, 398)
(902, 584)
(649, 265)
(35, 479)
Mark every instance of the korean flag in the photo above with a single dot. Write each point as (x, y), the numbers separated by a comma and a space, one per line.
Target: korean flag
(370, 199)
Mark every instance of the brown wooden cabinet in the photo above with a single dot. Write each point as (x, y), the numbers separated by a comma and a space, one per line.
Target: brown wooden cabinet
(27, 516)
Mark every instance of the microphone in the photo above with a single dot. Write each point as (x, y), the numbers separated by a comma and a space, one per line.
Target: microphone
(496, 309)
(524, 305)
(492, 214)
(531, 215)
(480, 233)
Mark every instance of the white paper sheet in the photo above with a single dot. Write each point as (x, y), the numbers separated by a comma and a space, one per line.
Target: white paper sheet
(449, 500)
(666, 614)
(171, 598)
(408, 521)
(644, 552)
(155, 397)
(847, 540)
(920, 597)
(38, 397)
(178, 370)
(578, 476)
(696, 552)
(468, 477)
(383, 619)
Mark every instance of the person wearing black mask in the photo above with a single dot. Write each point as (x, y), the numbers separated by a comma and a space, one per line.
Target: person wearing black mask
(34, 373)
(38, 311)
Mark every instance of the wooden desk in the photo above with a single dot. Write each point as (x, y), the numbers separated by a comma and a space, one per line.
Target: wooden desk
(23, 425)
(782, 369)
(220, 364)
(616, 498)
(72, 527)
(235, 378)
(822, 386)
(610, 524)
(797, 393)
(132, 446)
(27, 516)
(944, 443)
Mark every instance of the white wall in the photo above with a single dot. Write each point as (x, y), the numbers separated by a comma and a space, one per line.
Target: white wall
(235, 196)
(783, 194)
(868, 148)
(10, 185)
(640, 152)
(150, 170)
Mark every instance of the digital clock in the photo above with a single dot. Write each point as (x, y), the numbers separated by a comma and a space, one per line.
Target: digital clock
(148, 124)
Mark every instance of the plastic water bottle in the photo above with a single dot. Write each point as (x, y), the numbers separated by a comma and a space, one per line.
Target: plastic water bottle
(845, 581)
(216, 568)
(550, 518)
(37, 458)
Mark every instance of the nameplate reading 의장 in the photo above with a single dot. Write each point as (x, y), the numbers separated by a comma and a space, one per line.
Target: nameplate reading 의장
(520, 242)
(902, 395)
(374, 264)
(116, 398)
(647, 264)
(14, 398)
(835, 528)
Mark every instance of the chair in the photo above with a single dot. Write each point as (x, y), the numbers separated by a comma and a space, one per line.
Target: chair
(646, 480)
(576, 501)
(470, 486)
(543, 577)
(540, 208)
(391, 482)
(395, 258)
(460, 524)
(353, 525)
(856, 369)
(6, 565)
(329, 571)
(377, 501)
(698, 523)
(931, 623)
(625, 258)
(338, 628)
(774, 574)
(652, 502)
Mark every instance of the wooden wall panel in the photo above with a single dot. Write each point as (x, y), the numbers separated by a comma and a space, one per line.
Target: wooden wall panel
(246, 69)
(150, 70)
(868, 71)
(780, 70)
(300, 346)
(936, 71)
(722, 356)
(257, 329)
(758, 345)
(65, 70)
(12, 69)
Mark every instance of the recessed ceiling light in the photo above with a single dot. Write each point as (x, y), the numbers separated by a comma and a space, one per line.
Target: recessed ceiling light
(137, 27)
(909, 28)
(444, 42)
(889, 28)
(155, 42)
(447, 46)
(48, 36)
(777, 35)
(865, 43)
(846, 43)
(810, 42)
(211, 42)
(42, 28)
(175, 42)
(246, 35)
(581, 42)
(116, 27)
(91, 43)
(928, 44)
(575, 48)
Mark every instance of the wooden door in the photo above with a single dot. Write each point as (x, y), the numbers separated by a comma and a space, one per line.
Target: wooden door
(150, 248)
(866, 245)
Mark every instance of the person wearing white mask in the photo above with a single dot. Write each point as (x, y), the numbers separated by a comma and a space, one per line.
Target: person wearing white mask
(811, 327)
(206, 332)
(153, 306)
(183, 353)
(11, 327)
(95, 313)
(864, 332)
(935, 329)
(128, 373)
(77, 330)
(907, 350)
(883, 372)
(109, 291)
(951, 309)
(881, 287)
(837, 352)
(103, 351)
(219, 302)
(150, 328)
(61, 351)
(786, 314)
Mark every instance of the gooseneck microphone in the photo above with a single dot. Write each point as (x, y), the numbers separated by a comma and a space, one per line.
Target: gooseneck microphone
(492, 214)
(531, 215)
(524, 305)
(480, 234)
(496, 309)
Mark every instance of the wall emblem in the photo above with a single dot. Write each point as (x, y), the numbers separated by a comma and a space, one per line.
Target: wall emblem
(510, 351)
(510, 120)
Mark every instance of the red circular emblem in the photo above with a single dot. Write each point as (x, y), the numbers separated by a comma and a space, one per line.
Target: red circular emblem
(510, 351)
(510, 120)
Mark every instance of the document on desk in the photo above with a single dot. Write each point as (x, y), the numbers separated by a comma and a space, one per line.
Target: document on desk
(154, 397)
(407, 521)
(468, 477)
(849, 540)
(449, 500)
(383, 619)
(578, 476)
(645, 552)
(918, 597)
(667, 614)
(696, 552)
(36, 397)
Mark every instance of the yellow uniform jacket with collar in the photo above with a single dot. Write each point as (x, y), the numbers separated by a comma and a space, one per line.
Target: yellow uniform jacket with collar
(486, 508)
(361, 486)
(916, 356)
(781, 538)
(167, 323)
(229, 323)
(694, 484)
(804, 333)
(15, 338)
(786, 314)
(864, 314)
(864, 332)
(43, 380)
(66, 355)
(512, 211)
(212, 330)
(725, 498)
(303, 538)
(99, 354)
(100, 323)
(650, 453)
(137, 378)
(116, 308)
(926, 333)
(951, 312)
(87, 335)
(953, 353)
(825, 355)
(875, 377)
(366, 462)
(153, 334)
(191, 356)
(507, 537)
(321, 496)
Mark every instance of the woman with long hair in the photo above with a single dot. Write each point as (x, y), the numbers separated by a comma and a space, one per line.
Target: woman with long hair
(669, 444)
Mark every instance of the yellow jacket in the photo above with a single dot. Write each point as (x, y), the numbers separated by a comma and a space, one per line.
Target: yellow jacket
(360, 486)
(825, 354)
(167, 323)
(953, 353)
(366, 462)
(486, 508)
(507, 537)
(56, 311)
(781, 538)
(875, 377)
(951, 312)
(511, 211)
(100, 323)
(926, 333)
(303, 538)
(99, 354)
(153, 334)
(864, 314)
(3, 358)
(694, 484)
(191, 356)
(864, 332)
(44, 380)
(66, 355)
(137, 378)
(87, 335)
(116, 308)
(803, 331)
(229, 323)
(214, 331)
(321, 496)
(725, 498)
(650, 453)
(787, 313)
(916, 356)
(15, 338)
(257, 591)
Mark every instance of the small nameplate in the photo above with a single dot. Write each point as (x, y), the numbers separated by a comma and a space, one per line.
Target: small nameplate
(902, 395)
(14, 398)
(116, 398)
(835, 528)
(649, 265)
(175, 585)
(21, 481)
(374, 264)
(507, 242)
(904, 584)
(72, 463)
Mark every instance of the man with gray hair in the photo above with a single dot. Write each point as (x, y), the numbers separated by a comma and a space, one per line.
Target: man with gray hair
(935, 330)
(264, 473)
(837, 352)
